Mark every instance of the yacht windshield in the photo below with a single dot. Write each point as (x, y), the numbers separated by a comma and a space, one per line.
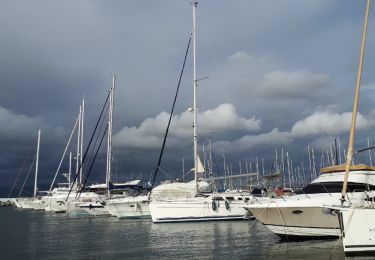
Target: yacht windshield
(335, 187)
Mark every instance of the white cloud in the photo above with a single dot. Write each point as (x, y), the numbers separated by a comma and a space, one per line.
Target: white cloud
(241, 56)
(326, 122)
(290, 85)
(150, 133)
(370, 86)
(272, 138)
(225, 117)
(11, 123)
(18, 128)
(319, 124)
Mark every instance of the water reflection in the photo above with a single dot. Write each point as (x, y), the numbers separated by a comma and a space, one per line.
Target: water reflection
(39, 235)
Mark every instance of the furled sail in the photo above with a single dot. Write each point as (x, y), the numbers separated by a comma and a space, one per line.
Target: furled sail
(200, 166)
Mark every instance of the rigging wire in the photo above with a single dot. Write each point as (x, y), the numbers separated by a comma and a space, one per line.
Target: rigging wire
(170, 117)
(91, 155)
(19, 172)
(27, 176)
(92, 163)
(88, 147)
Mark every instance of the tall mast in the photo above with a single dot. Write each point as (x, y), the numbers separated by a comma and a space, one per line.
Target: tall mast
(195, 4)
(81, 143)
(78, 143)
(70, 169)
(109, 140)
(37, 165)
(349, 157)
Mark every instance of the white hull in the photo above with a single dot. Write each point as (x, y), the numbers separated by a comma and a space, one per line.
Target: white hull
(55, 204)
(95, 209)
(17, 203)
(57, 201)
(303, 215)
(36, 204)
(197, 209)
(73, 209)
(288, 231)
(129, 207)
(30, 203)
(358, 231)
(73, 206)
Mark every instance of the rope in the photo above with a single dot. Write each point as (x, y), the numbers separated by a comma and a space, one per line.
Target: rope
(266, 208)
(335, 247)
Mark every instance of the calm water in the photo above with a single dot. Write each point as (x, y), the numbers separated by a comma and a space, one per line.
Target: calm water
(28, 234)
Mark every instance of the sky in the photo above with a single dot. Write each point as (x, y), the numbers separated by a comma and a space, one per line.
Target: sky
(277, 75)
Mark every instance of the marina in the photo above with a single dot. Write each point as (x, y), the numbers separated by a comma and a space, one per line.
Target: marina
(264, 160)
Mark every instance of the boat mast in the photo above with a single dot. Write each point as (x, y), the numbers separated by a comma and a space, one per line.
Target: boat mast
(195, 4)
(349, 156)
(109, 140)
(81, 143)
(70, 169)
(78, 144)
(36, 165)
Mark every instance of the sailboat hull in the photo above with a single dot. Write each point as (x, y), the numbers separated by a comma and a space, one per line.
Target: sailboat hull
(196, 209)
(358, 231)
(129, 207)
(30, 203)
(95, 209)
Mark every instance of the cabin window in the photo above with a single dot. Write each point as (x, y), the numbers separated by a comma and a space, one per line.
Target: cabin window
(239, 198)
(247, 199)
(218, 198)
(229, 198)
(334, 187)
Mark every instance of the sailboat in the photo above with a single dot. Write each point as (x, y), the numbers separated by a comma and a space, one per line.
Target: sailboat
(97, 208)
(133, 202)
(356, 221)
(60, 199)
(34, 202)
(179, 202)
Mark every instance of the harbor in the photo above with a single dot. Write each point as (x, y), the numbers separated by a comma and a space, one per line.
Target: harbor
(243, 153)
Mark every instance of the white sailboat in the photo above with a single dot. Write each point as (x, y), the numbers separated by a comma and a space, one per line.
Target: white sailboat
(34, 202)
(97, 208)
(62, 199)
(187, 202)
(129, 205)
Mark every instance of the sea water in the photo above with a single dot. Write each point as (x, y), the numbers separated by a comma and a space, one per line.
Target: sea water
(28, 234)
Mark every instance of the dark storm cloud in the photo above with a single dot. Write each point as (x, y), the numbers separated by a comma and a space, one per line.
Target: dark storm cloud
(275, 72)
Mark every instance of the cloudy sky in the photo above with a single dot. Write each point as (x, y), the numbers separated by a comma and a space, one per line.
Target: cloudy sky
(281, 74)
